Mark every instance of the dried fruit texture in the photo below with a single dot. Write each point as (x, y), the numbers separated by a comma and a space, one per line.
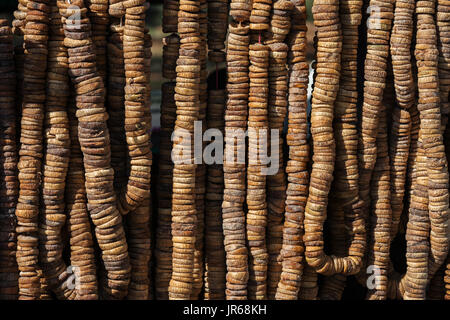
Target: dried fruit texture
(217, 29)
(184, 215)
(277, 110)
(260, 14)
(405, 88)
(116, 112)
(136, 128)
(399, 146)
(410, 174)
(443, 42)
(280, 20)
(99, 17)
(381, 213)
(418, 246)
(93, 136)
(163, 248)
(426, 54)
(292, 251)
(82, 255)
(400, 49)
(276, 183)
(138, 221)
(234, 168)
(345, 190)
(375, 66)
(326, 86)
(31, 150)
(256, 176)
(200, 170)
(9, 186)
(398, 282)
(240, 10)
(52, 217)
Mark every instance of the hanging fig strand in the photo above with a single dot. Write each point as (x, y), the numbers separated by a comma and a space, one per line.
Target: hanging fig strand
(225, 150)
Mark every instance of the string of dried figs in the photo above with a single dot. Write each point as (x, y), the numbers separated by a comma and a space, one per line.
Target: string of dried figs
(52, 217)
(277, 110)
(9, 186)
(256, 173)
(276, 183)
(236, 113)
(82, 254)
(200, 170)
(329, 46)
(163, 247)
(260, 14)
(379, 25)
(137, 138)
(426, 54)
(100, 19)
(184, 216)
(138, 221)
(427, 244)
(344, 190)
(399, 146)
(375, 66)
(137, 123)
(417, 211)
(115, 105)
(115, 102)
(93, 136)
(381, 213)
(400, 49)
(412, 285)
(443, 42)
(292, 251)
(31, 150)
